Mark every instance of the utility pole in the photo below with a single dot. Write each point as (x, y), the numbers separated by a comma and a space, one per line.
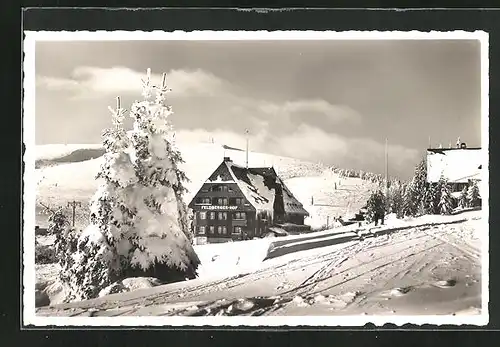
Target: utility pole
(73, 204)
(386, 167)
(246, 134)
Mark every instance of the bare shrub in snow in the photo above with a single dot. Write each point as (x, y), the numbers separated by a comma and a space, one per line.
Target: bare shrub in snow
(44, 254)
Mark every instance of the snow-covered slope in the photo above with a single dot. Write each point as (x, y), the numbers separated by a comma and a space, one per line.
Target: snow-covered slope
(423, 266)
(67, 172)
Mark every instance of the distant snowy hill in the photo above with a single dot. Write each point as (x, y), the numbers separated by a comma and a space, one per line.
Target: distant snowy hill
(67, 172)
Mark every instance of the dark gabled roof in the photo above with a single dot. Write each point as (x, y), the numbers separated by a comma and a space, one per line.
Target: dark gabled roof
(262, 187)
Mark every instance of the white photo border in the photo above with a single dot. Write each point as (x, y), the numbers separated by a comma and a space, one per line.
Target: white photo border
(29, 181)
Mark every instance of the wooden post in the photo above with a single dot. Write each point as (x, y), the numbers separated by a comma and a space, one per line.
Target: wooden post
(73, 205)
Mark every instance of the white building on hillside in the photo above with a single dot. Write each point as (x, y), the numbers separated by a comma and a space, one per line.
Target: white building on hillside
(458, 165)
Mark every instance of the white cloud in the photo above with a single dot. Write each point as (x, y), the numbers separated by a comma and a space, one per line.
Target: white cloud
(94, 82)
(307, 108)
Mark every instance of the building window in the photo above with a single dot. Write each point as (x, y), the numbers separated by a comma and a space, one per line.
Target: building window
(237, 230)
(203, 201)
(237, 201)
(220, 188)
(222, 230)
(221, 201)
(212, 215)
(240, 215)
(202, 215)
(222, 216)
(212, 230)
(201, 230)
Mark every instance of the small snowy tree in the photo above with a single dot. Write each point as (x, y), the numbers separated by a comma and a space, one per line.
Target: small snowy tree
(433, 197)
(161, 244)
(65, 243)
(395, 199)
(446, 201)
(410, 203)
(473, 196)
(420, 187)
(415, 197)
(462, 200)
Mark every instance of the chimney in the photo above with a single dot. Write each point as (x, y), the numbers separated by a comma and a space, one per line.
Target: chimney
(227, 159)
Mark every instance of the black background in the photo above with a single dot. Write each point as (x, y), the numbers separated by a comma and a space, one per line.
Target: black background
(14, 20)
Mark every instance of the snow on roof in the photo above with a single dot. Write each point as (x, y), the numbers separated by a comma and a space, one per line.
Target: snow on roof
(457, 165)
(261, 186)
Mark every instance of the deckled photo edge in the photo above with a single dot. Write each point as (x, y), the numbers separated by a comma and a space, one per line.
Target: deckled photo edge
(29, 198)
(28, 236)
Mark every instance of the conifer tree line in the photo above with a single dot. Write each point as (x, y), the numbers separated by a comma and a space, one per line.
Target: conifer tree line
(364, 175)
(417, 197)
(139, 221)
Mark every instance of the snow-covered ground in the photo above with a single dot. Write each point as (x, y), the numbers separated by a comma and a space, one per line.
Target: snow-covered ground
(428, 265)
(327, 196)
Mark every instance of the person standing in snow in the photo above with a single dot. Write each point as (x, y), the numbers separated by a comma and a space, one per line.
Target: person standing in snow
(376, 208)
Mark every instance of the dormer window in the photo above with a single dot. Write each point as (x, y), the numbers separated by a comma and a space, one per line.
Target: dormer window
(220, 188)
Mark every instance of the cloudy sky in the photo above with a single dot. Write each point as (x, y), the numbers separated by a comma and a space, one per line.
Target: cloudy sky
(329, 101)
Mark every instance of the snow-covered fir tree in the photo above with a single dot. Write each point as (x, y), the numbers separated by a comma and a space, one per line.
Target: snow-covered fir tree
(161, 244)
(462, 200)
(139, 223)
(421, 187)
(446, 200)
(428, 200)
(102, 249)
(410, 199)
(434, 196)
(395, 199)
(414, 201)
(473, 197)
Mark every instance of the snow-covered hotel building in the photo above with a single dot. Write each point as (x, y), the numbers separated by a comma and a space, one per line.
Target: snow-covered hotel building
(458, 165)
(237, 202)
